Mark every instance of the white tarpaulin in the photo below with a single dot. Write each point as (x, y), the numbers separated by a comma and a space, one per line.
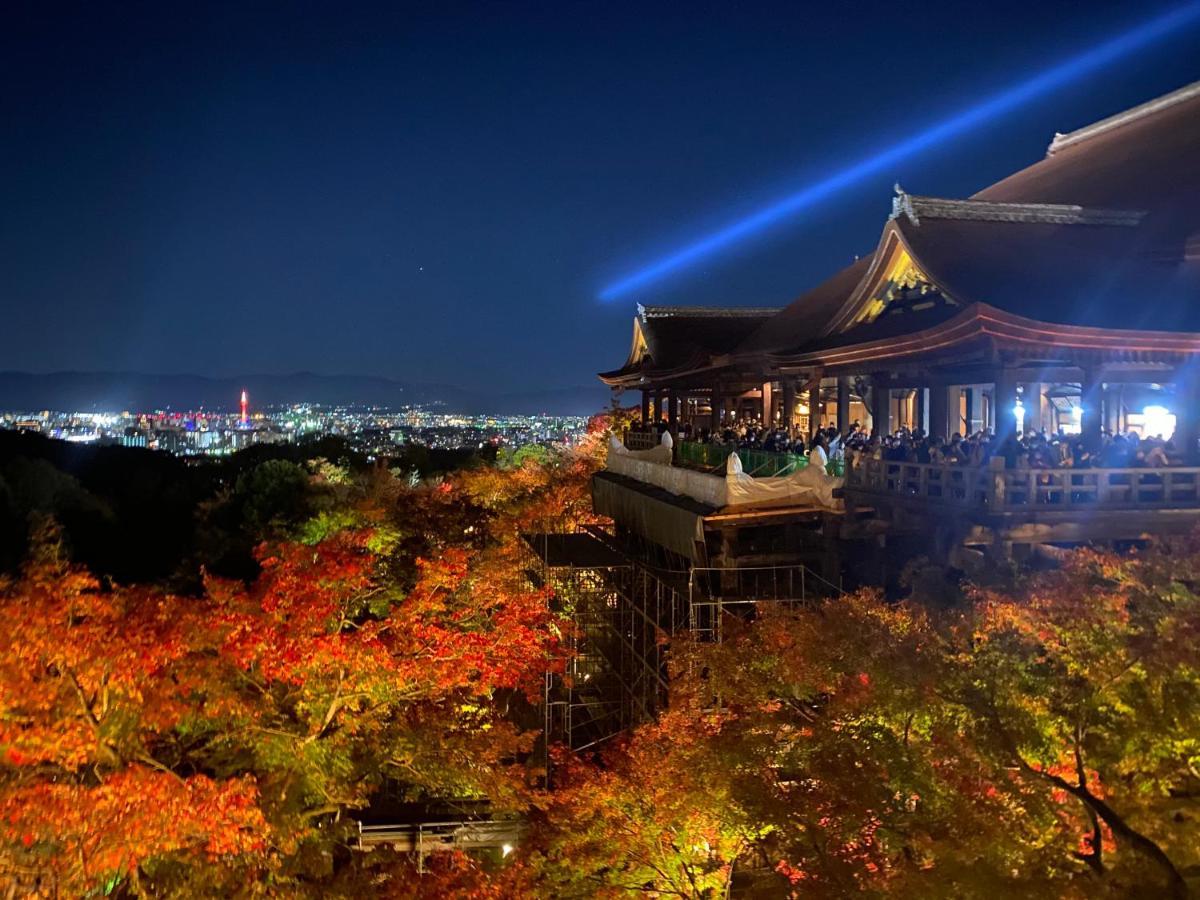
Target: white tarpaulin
(654, 467)
(810, 485)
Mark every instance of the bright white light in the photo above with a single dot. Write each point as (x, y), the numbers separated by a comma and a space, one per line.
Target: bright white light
(1019, 412)
(1156, 421)
(1073, 424)
(506, 849)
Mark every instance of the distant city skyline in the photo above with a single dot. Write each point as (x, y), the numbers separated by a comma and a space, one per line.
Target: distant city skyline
(115, 391)
(438, 194)
(215, 433)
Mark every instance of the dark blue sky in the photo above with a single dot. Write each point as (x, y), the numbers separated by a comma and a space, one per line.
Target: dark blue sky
(438, 192)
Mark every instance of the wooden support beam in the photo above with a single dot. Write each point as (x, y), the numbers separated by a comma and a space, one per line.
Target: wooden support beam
(1091, 421)
(972, 420)
(1187, 417)
(789, 404)
(1004, 401)
(814, 406)
(939, 424)
(881, 405)
(843, 403)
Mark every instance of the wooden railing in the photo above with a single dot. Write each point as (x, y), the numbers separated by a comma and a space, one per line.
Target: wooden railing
(1028, 490)
(641, 440)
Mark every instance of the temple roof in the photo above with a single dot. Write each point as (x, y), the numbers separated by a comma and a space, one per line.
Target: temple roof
(668, 339)
(1104, 232)
(1100, 276)
(806, 316)
(1142, 158)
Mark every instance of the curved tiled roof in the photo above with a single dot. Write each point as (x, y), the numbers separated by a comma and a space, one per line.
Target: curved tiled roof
(806, 316)
(1104, 231)
(682, 337)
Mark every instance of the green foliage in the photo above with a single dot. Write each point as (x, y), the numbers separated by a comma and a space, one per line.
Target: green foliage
(526, 454)
(273, 493)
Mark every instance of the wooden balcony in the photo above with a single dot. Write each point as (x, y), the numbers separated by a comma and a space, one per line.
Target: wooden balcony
(948, 505)
(997, 490)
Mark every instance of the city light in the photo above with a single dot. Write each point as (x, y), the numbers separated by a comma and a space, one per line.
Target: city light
(375, 431)
(998, 104)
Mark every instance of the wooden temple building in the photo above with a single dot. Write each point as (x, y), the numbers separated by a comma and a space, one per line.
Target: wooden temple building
(1065, 297)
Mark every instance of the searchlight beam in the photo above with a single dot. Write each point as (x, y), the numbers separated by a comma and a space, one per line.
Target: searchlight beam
(994, 106)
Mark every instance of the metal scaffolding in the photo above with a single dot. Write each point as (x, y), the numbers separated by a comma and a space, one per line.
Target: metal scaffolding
(624, 608)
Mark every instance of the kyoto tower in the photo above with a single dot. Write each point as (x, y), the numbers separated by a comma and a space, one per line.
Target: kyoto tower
(245, 420)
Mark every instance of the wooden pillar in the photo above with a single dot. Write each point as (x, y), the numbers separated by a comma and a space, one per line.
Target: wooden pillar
(1112, 408)
(919, 409)
(765, 418)
(1187, 416)
(843, 404)
(789, 404)
(645, 406)
(1004, 401)
(673, 414)
(715, 425)
(814, 406)
(971, 398)
(1091, 421)
(1034, 403)
(953, 410)
(939, 411)
(881, 406)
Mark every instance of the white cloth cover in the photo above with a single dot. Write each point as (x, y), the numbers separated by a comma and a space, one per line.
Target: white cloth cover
(660, 454)
(807, 485)
(642, 466)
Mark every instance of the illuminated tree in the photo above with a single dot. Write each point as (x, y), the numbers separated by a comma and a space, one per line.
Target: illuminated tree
(1036, 742)
(226, 735)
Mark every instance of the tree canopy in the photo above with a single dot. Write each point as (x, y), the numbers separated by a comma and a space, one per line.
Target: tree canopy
(1038, 738)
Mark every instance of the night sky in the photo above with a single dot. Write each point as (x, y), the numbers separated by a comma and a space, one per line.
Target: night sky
(439, 192)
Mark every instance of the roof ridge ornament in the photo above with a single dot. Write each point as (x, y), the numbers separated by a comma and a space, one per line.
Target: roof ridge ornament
(902, 203)
(1062, 141)
(915, 207)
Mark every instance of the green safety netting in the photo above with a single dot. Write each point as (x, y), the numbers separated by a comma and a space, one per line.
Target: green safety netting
(758, 463)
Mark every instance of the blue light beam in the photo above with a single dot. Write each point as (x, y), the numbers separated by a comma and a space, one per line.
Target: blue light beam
(996, 105)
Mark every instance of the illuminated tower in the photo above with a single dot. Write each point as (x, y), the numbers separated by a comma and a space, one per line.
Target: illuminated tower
(245, 408)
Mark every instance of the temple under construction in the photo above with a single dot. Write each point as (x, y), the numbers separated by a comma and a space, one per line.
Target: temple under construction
(1062, 300)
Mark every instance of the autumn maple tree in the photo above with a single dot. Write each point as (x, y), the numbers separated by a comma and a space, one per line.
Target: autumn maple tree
(1040, 738)
(1034, 741)
(151, 739)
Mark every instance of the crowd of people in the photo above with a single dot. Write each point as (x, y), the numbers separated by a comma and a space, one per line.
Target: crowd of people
(1032, 449)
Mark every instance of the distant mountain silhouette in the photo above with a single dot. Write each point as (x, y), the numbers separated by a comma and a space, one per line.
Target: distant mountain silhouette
(138, 391)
